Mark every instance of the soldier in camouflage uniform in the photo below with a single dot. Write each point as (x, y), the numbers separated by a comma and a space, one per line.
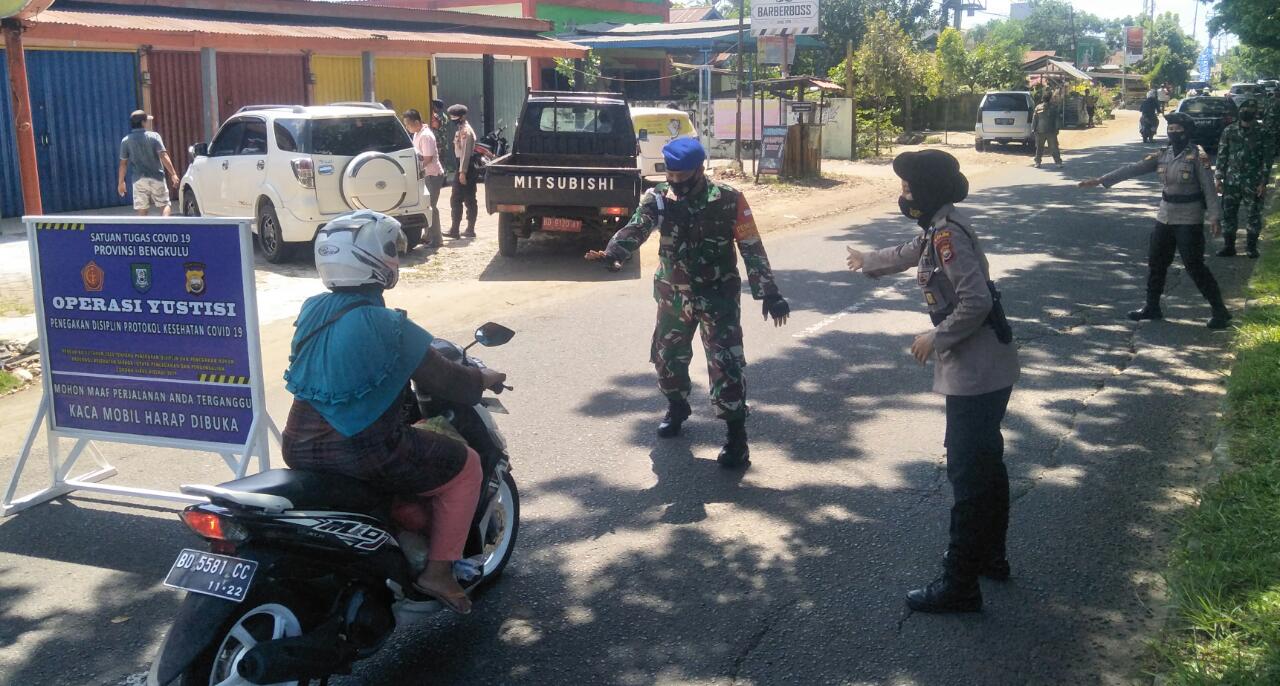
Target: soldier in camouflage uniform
(1244, 158)
(697, 284)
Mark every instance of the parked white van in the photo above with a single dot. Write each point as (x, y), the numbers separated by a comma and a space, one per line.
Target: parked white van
(655, 127)
(1004, 117)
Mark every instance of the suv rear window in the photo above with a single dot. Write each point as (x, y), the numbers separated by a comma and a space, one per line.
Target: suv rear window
(1247, 88)
(1005, 102)
(1206, 106)
(351, 136)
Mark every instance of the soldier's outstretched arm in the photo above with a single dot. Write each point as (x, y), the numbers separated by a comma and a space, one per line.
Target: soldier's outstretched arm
(747, 236)
(629, 238)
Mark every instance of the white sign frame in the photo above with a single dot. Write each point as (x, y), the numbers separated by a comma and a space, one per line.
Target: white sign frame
(785, 18)
(61, 482)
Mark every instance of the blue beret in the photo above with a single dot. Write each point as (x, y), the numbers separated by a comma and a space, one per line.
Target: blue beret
(684, 154)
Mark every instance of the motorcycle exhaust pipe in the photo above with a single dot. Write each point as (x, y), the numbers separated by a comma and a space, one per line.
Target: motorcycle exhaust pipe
(292, 659)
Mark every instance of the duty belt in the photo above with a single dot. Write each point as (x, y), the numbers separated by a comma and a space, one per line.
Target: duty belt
(1183, 197)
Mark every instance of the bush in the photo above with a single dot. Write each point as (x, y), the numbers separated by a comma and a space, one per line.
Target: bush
(873, 140)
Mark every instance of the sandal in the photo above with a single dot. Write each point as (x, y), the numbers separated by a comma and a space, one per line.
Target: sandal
(454, 601)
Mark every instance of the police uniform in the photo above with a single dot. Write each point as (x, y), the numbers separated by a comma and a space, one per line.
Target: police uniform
(697, 284)
(1187, 200)
(1244, 160)
(973, 368)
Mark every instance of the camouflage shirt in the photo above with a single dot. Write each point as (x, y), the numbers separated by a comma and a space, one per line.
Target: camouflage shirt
(1271, 125)
(1243, 157)
(698, 234)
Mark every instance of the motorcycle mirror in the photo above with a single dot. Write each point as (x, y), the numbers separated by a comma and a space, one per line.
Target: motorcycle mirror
(492, 335)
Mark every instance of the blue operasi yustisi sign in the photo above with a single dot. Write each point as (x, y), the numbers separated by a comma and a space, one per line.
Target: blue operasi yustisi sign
(145, 330)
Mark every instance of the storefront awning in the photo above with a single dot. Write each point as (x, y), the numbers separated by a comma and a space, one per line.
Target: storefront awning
(106, 29)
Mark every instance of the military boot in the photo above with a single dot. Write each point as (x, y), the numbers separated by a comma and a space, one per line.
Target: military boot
(952, 592)
(453, 233)
(1220, 319)
(1251, 246)
(1148, 311)
(1228, 247)
(735, 454)
(677, 412)
(471, 230)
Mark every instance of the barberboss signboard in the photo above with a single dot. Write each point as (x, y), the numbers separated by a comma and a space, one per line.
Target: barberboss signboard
(148, 332)
(772, 144)
(784, 18)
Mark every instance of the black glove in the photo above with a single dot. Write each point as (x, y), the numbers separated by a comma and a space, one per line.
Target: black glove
(775, 306)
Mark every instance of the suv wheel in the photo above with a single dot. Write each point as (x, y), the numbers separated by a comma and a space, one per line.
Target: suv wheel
(190, 208)
(507, 239)
(979, 145)
(269, 235)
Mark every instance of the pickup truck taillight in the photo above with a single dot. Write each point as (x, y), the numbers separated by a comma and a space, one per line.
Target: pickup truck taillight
(614, 211)
(514, 209)
(304, 171)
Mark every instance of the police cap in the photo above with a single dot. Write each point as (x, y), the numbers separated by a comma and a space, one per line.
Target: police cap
(1182, 119)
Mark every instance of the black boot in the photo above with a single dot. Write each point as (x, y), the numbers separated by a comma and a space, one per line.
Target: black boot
(471, 230)
(1149, 311)
(1220, 319)
(453, 233)
(950, 593)
(1251, 246)
(735, 454)
(677, 412)
(1228, 247)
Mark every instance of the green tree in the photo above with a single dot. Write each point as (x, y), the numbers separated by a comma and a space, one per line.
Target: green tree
(1247, 63)
(955, 67)
(844, 20)
(1254, 21)
(1170, 53)
(886, 66)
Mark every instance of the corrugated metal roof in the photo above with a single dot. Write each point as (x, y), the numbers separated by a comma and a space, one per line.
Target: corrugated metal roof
(182, 32)
(680, 15)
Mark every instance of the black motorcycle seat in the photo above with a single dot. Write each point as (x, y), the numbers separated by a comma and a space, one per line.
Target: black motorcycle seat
(312, 490)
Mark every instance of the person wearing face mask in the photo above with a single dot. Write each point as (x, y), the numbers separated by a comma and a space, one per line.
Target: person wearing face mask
(701, 223)
(1187, 199)
(464, 181)
(1244, 163)
(975, 367)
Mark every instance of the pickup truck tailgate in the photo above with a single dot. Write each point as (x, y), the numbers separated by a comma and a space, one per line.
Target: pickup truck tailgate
(561, 186)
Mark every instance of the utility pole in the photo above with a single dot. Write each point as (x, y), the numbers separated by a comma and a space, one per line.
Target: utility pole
(853, 100)
(737, 139)
(1075, 46)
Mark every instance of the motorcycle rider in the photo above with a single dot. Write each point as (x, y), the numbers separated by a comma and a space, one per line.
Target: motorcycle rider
(351, 360)
(1149, 121)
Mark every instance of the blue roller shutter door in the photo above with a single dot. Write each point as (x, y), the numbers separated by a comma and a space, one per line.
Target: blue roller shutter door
(80, 103)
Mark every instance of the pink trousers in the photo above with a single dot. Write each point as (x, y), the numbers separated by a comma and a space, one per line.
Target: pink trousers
(452, 507)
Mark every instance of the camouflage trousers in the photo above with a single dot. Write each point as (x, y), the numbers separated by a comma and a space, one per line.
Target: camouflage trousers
(1241, 205)
(679, 314)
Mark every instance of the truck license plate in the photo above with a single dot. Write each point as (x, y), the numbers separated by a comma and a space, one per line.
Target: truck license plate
(561, 224)
(1004, 121)
(220, 576)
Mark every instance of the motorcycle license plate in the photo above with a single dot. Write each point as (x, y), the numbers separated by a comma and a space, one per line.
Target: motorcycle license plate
(562, 224)
(220, 576)
(1004, 121)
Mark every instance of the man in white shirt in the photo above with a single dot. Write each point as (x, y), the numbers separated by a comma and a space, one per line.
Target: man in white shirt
(424, 143)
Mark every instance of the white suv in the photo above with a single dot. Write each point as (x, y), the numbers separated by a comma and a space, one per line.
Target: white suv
(293, 169)
(1004, 117)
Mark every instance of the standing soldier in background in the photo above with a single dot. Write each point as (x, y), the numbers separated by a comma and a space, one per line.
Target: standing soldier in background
(697, 284)
(1186, 200)
(1244, 158)
(1044, 123)
(1090, 105)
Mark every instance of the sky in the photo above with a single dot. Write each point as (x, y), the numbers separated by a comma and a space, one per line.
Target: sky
(1107, 9)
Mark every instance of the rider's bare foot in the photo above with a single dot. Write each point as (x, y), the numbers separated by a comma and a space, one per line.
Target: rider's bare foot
(437, 581)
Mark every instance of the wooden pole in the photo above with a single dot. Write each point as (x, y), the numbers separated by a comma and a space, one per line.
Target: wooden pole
(853, 100)
(737, 140)
(28, 166)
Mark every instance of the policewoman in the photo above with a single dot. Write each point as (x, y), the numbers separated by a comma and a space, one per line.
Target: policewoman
(975, 367)
(1187, 199)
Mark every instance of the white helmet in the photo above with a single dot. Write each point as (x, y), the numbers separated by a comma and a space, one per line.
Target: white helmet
(360, 249)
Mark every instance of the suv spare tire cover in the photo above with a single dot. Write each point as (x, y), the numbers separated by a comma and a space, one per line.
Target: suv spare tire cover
(374, 181)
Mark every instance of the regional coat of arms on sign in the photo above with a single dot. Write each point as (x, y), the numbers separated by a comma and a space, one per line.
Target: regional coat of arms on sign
(140, 274)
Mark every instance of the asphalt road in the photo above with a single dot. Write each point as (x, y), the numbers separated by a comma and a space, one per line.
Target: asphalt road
(642, 562)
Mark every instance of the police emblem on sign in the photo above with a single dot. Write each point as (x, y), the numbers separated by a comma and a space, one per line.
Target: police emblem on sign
(140, 273)
(195, 278)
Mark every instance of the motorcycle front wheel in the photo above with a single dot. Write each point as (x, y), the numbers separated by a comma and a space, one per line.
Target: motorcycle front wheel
(498, 530)
(263, 618)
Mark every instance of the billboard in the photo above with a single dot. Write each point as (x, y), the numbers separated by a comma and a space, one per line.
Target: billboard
(1133, 40)
(784, 17)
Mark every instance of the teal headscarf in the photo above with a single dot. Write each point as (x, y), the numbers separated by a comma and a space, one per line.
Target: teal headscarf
(355, 368)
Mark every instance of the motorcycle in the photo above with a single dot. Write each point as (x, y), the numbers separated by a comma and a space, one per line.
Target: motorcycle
(306, 572)
(489, 147)
(1147, 127)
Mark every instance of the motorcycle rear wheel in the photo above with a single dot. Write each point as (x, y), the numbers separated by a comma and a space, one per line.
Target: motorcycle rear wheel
(266, 616)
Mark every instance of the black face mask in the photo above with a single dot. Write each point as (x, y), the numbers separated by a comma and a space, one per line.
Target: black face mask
(1248, 116)
(909, 210)
(1179, 139)
(684, 188)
